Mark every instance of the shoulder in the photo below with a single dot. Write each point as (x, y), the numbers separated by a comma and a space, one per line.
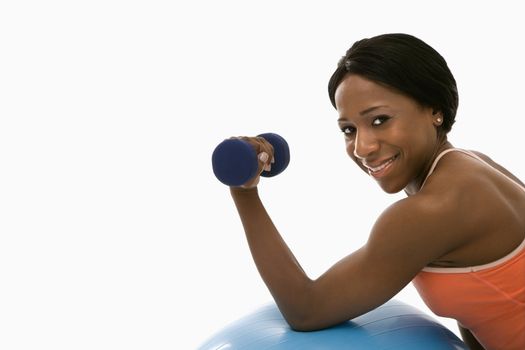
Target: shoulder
(423, 212)
(468, 170)
(420, 213)
(464, 181)
(497, 166)
(419, 230)
(445, 215)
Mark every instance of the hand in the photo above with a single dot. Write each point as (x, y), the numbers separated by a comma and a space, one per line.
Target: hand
(265, 157)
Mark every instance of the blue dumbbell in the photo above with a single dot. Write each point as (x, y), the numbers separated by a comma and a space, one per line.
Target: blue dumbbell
(235, 161)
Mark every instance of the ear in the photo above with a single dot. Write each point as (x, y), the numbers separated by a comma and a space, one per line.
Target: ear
(437, 117)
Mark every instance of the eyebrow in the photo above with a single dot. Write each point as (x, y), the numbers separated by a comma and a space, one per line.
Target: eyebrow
(365, 111)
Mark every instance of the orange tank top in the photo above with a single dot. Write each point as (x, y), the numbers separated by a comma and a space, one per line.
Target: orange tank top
(489, 299)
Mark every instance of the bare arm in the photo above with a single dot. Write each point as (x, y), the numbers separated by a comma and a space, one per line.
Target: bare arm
(405, 238)
(277, 265)
(469, 339)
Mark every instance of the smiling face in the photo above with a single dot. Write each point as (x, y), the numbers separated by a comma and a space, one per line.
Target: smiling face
(389, 135)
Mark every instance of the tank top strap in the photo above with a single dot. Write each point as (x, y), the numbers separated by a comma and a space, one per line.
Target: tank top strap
(471, 154)
(434, 164)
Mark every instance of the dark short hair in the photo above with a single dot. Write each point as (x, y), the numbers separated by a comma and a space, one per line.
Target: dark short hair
(408, 65)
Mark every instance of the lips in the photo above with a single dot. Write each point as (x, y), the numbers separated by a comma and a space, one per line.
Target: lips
(380, 168)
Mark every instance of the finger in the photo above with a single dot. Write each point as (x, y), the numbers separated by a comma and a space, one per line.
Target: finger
(264, 151)
(259, 144)
(265, 146)
(264, 159)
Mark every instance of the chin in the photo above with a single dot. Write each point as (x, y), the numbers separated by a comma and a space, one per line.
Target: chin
(391, 188)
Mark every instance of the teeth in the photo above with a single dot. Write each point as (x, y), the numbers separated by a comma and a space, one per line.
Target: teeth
(382, 166)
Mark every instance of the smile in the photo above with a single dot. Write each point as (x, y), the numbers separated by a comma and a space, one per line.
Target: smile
(381, 169)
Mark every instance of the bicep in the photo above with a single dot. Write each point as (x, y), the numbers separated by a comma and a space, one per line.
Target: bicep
(355, 285)
(399, 246)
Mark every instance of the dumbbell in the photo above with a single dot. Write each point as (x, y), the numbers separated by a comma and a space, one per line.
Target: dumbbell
(235, 161)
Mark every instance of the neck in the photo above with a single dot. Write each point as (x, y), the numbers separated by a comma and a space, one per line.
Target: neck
(414, 186)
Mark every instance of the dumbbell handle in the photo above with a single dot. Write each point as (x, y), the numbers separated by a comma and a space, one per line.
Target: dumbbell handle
(235, 161)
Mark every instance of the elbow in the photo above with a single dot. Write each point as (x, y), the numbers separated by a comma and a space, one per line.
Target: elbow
(307, 323)
(311, 318)
(299, 324)
(302, 326)
(299, 311)
(303, 317)
(306, 312)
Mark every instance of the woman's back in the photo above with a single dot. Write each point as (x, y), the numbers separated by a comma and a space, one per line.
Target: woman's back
(487, 198)
(482, 284)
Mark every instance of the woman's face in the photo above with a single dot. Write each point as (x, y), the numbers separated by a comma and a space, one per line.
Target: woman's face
(389, 135)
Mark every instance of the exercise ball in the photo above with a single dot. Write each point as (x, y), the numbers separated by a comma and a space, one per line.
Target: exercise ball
(392, 326)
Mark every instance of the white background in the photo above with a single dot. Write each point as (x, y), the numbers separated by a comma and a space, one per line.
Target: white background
(114, 233)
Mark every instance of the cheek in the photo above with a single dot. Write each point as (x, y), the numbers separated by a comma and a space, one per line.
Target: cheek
(349, 145)
(426, 137)
(413, 136)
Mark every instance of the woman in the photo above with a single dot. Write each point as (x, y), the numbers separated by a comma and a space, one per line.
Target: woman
(459, 235)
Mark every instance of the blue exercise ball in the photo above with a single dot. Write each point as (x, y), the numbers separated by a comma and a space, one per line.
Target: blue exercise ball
(392, 326)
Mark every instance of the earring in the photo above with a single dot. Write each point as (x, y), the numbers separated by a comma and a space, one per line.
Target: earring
(439, 120)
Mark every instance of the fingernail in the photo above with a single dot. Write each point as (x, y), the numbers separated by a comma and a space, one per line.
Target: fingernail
(263, 157)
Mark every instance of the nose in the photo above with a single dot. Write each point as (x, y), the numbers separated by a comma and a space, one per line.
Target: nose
(365, 143)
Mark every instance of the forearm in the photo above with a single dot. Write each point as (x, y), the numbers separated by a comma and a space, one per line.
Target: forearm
(277, 265)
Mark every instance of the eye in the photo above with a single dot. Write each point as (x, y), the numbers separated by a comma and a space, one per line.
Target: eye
(379, 120)
(347, 130)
